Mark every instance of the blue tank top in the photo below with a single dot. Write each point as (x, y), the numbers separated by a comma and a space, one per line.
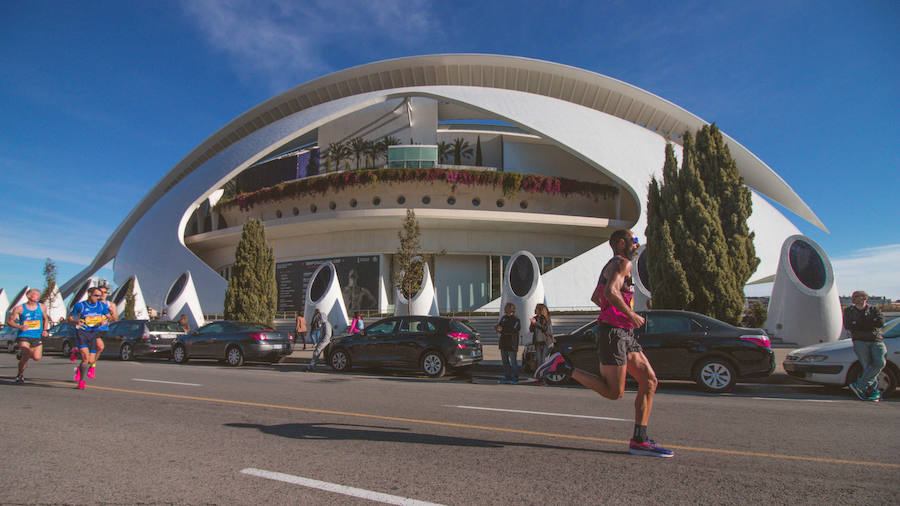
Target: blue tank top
(33, 320)
(90, 316)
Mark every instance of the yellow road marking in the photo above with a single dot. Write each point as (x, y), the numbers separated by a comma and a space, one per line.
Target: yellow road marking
(488, 428)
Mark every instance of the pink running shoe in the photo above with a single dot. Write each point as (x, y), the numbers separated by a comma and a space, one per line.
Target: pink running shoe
(91, 372)
(77, 373)
(74, 352)
(81, 385)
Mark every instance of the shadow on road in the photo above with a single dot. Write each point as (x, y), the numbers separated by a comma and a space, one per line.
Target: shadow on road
(353, 432)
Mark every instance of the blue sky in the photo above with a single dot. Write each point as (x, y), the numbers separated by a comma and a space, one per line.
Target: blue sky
(100, 99)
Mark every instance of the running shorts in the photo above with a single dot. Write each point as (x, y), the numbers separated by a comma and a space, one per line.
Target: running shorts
(87, 339)
(614, 344)
(33, 342)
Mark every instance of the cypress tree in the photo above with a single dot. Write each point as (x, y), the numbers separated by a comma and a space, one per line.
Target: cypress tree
(478, 160)
(694, 265)
(409, 257)
(50, 278)
(251, 293)
(128, 311)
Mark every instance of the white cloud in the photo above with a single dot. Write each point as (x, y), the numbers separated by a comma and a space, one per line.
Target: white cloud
(285, 42)
(875, 270)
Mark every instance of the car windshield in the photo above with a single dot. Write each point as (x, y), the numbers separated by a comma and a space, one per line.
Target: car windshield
(892, 329)
(165, 327)
(463, 326)
(250, 326)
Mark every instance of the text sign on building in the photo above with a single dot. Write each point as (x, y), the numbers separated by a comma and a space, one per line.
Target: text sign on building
(358, 277)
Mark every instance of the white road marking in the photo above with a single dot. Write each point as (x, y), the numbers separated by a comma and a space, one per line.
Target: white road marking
(168, 382)
(781, 399)
(336, 488)
(542, 413)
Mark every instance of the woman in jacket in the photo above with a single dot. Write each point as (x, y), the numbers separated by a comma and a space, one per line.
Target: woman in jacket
(542, 334)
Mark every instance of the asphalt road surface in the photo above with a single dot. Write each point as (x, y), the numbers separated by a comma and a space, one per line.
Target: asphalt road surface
(157, 432)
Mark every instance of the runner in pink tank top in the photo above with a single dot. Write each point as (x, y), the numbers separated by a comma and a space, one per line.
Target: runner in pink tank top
(617, 347)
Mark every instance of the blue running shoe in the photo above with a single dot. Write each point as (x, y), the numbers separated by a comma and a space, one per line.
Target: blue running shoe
(649, 448)
(555, 363)
(858, 391)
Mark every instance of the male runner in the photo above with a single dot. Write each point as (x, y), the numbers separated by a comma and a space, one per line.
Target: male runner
(32, 319)
(113, 316)
(617, 347)
(91, 318)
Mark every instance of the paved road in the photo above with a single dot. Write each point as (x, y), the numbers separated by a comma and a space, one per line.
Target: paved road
(204, 433)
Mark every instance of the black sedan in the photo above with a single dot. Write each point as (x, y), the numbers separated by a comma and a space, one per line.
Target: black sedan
(680, 345)
(233, 342)
(429, 344)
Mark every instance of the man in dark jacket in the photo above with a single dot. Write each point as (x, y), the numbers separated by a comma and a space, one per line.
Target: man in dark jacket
(508, 327)
(864, 323)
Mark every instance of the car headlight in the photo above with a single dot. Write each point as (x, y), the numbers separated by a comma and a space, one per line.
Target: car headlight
(814, 358)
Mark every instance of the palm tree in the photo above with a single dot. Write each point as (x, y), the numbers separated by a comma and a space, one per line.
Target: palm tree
(460, 148)
(385, 143)
(444, 149)
(358, 146)
(337, 153)
(371, 152)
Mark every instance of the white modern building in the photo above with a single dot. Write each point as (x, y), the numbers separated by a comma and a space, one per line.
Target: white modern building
(559, 158)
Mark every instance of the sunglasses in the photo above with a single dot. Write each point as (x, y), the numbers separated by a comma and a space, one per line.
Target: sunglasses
(635, 240)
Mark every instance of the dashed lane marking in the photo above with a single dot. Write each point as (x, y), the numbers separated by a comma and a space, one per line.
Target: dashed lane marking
(540, 413)
(167, 382)
(336, 488)
(795, 400)
(488, 428)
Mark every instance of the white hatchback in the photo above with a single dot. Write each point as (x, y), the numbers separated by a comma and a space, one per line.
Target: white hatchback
(835, 363)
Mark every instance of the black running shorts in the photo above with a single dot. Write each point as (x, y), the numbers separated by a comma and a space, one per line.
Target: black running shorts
(33, 342)
(614, 344)
(87, 339)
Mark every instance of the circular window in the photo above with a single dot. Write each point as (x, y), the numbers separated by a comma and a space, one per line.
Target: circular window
(332, 205)
(352, 202)
(401, 200)
(451, 200)
(313, 208)
(499, 202)
(807, 265)
(523, 205)
(476, 202)
(176, 289)
(278, 213)
(295, 211)
(426, 199)
(376, 201)
(521, 276)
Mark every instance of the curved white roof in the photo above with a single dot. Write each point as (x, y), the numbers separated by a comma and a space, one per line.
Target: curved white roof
(562, 82)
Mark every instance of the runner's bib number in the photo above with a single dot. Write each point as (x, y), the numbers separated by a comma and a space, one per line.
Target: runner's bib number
(93, 321)
(31, 324)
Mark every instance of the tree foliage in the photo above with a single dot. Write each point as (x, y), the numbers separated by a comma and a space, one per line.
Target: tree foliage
(49, 280)
(700, 251)
(460, 148)
(128, 311)
(409, 257)
(251, 293)
(478, 158)
(755, 315)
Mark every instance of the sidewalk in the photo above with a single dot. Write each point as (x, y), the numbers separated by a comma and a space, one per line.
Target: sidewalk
(492, 365)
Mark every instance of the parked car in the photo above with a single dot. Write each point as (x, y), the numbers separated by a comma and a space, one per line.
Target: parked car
(8, 338)
(233, 342)
(835, 363)
(429, 344)
(680, 345)
(129, 339)
(61, 338)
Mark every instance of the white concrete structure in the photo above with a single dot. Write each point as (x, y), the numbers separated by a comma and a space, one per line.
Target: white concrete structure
(140, 305)
(18, 300)
(181, 298)
(81, 293)
(524, 288)
(529, 116)
(4, 306)
(423, 302)
(56, 306)
(805, 307)
(324, 293)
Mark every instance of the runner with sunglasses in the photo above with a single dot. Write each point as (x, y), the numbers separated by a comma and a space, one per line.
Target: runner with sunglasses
(618, 349)
(91, 319)
(113, 316)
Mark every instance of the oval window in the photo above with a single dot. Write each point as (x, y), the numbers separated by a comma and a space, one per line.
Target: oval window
(807, 265)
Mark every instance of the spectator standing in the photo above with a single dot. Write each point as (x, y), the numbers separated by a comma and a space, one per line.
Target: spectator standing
(324, 338)
(300, 329)
(183, 321)
(542, 335)
(316, 327)
(357, 325)
(508, 327)
(864, 323)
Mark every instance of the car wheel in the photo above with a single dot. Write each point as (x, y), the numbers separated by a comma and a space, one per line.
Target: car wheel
(234, 357)
(126, 353)
(887, 379)
(179, 355)
(556, 378)
(340, 361)
(715, 375)
(11, 347)
(66, 349)
(433, 364)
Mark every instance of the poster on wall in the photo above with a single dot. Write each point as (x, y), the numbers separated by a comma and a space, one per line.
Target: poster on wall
(358, 277)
